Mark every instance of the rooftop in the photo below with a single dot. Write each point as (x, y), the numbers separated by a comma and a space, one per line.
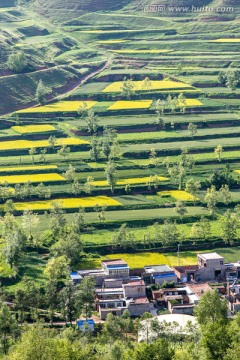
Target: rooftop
(82, 322)
(75, 275)
(200, 289)
(114, 262)
(157, 268)
(210, 256)
(91, 271)
(135, 283)
(184, 269)
(109, 290)
(112, 280)
(140, 300)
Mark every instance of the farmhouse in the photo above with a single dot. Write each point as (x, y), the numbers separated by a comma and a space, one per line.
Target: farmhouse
(117, 268)
(210, 266)
(158, 274)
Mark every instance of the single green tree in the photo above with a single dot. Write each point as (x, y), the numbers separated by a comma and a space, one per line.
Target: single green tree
(110, 173)
(32, 152)
(218, 152)
(192, 129)
(42, 92)
(17, 62)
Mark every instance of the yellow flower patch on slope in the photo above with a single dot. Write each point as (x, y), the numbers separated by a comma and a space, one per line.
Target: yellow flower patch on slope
(61, 106)
(70, 203)
(230, 40)
(178, 195)
(33, 178)
(191, 102)
(128, 104)
(27, 144)
(130, 181)
(33, 128)
(152, 85)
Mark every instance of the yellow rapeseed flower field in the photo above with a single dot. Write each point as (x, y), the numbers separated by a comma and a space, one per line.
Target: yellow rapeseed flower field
(33, 128)
(27, 144)
(226, 40)
(191, 102)
(70, 203)
(140, 260)
(130, 181)
(152, 85)
(178, 195)
(33, 178)
(26, 168)
(133, 51)
(112, 41)
(61, 106)
(128, 104)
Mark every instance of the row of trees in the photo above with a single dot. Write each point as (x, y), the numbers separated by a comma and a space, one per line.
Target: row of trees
(63, 235)
(231, 79)
(216, 337)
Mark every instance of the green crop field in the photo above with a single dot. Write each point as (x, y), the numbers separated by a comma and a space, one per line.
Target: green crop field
(135, 109)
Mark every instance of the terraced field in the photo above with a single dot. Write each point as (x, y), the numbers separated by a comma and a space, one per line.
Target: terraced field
(129, 143)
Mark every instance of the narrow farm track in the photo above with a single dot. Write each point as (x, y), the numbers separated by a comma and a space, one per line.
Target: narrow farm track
(88, 77)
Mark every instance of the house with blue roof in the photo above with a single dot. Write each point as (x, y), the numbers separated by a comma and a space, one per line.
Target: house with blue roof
(158, 274)
(75, 277)
(85, 325)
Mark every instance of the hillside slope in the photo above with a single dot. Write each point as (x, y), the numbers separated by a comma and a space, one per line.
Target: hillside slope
(65, 10)
(51, 55)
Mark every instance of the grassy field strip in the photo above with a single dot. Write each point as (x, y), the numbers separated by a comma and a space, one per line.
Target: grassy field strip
(150, 51)
(33, 178)
(106, 236)
(131, 120)
(152, 85)
(125, 215)
(153, 135)
(66, 203)
(205, 156)
(29, 129)
(28, 144)
(119, 31)
(129, 181)
(61, 106)
(50, 158)
(191, 145)
(27, 168)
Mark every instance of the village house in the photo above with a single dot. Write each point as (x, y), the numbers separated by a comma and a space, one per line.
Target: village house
(116, 268)
(210, 266)
(158, 274)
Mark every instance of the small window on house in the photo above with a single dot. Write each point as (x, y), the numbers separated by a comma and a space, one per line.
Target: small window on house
(205, 264)
(221, 262)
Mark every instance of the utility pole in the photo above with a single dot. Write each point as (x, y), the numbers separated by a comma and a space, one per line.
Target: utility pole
(178, 253)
